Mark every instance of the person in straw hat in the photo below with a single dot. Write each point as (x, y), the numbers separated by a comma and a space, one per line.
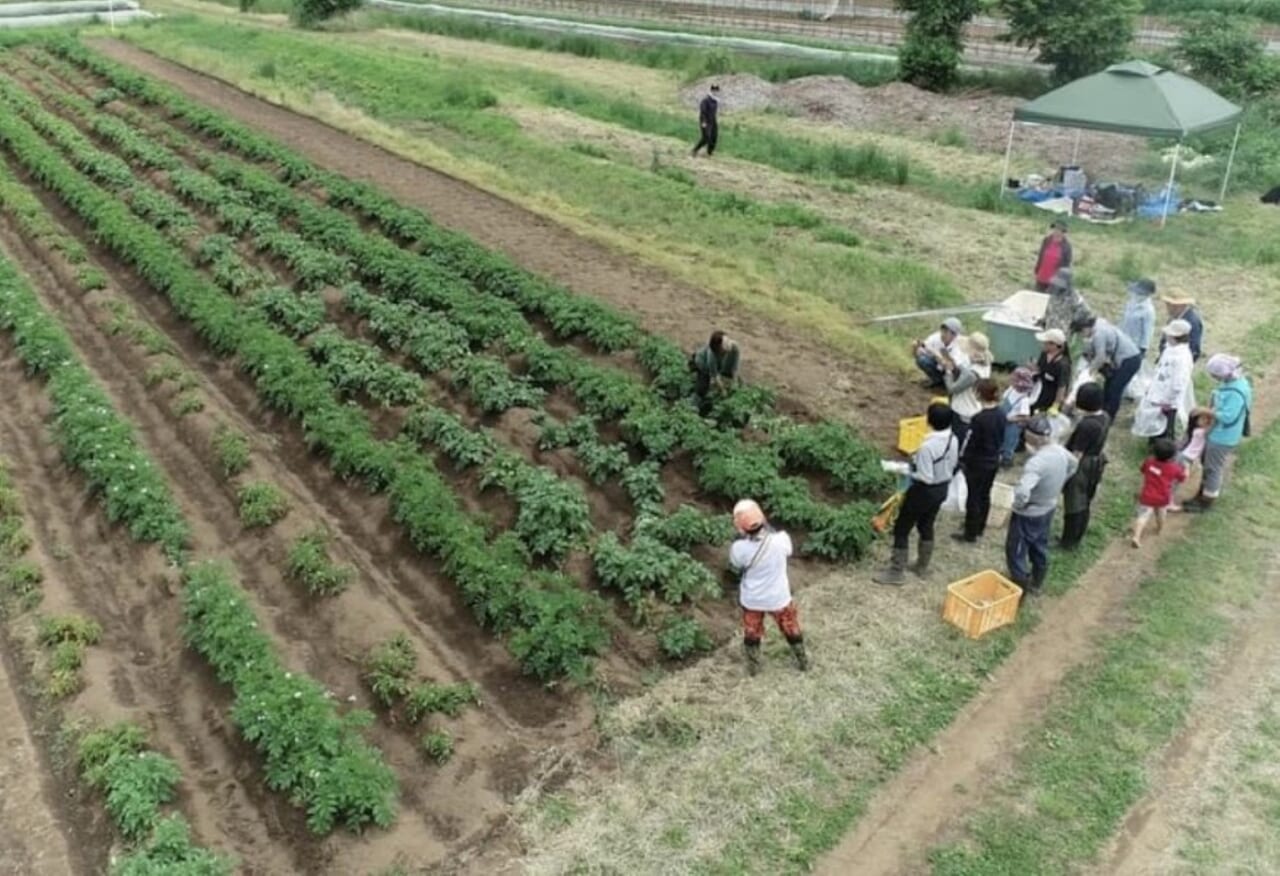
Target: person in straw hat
(1182, 306)
(1170, 396)
(961, 378)
(760, 555)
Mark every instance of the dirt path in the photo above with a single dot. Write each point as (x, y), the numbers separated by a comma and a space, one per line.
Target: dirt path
(32, 839)
(1148, 840)
(798, 365)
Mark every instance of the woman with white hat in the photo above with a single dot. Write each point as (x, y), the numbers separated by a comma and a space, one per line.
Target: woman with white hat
(760, 554)
(1170, 396)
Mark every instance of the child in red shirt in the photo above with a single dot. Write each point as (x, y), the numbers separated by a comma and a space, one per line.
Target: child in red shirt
(1160, 473)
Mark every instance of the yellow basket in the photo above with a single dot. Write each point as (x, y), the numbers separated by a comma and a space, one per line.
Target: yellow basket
(912, 430)
(981, 603)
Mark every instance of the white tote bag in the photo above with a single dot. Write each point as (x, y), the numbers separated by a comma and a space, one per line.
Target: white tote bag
(957, 494)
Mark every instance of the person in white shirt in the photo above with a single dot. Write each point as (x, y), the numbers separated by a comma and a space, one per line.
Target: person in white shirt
(932, 468)
(760, 554)
(932, 352)
(1170, 396)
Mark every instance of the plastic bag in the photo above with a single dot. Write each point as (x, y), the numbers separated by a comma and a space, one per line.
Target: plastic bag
(1059, 428)
(1137, 387)
(1083, 375)
(957, 494)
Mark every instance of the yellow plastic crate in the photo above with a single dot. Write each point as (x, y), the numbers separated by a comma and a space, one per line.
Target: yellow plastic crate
(981, 603)
(912, 430)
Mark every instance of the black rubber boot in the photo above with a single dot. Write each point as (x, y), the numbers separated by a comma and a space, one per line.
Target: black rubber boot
(1199, 505)
(896, 573)
(923, 559)
(1073, 529)
(752, 650)
(802, 656)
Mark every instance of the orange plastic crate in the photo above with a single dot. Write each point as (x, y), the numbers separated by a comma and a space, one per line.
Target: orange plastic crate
(981, 603)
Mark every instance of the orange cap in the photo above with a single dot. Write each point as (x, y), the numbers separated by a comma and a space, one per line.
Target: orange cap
(747, 516)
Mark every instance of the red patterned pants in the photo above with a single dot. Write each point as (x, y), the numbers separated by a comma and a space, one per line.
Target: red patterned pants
(787, 619)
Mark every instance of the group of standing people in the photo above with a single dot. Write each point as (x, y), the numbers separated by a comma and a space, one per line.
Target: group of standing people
(980, 428)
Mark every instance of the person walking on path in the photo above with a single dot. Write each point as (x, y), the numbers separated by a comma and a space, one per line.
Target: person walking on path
(1016, 405)
(1053, 370)
(1055, 253)
(931, 352)
(1139, 319)
(715, 365)
(1087, 443)
(760, 554)
(708, 121)
(1035, 498)
(1232, 404)
(932, 468)
(961, 379)
(980, 459)
(1170, 396)
(1065, 303)
(1111, 355)
(1160, 476)
(1182, 306)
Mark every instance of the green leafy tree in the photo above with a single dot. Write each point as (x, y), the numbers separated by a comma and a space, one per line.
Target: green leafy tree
(1226, 52)
(930, 57)
(1077, 37)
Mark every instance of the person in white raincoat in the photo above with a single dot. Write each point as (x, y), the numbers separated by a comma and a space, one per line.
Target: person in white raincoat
(1169, 398)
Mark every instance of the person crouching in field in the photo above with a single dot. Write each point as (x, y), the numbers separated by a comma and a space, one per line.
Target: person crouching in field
(715, 366)
(760, 554)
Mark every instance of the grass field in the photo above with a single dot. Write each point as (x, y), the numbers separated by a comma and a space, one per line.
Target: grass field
(442, 482)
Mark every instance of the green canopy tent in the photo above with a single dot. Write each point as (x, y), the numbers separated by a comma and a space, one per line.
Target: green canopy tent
(1134, 98)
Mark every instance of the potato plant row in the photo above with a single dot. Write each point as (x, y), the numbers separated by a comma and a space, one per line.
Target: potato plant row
(552, 625)
(553, 514)
(343, 781)
(137, 783)
(828, 447)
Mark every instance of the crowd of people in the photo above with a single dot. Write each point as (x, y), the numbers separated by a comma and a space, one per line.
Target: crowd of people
(1061, 409)
(1058, 413)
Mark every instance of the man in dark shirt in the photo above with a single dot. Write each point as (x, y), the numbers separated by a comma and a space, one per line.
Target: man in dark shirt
(1182, 306)
(980, 459)
(1087, 443)
(1053, 370)
(707, 111)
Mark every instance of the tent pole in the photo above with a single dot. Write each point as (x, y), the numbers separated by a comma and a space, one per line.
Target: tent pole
(1008, 153)
(1075, 150)
(1168, 192)
(1226, 178)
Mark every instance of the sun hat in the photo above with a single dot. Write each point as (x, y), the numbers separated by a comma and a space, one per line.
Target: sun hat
(1178, 298)
(1178, 328)
(979, 343)
(953, 325)
(1052, 336)
(1223, 366)
(747, 516)
(1022, 379)
(1146, 286)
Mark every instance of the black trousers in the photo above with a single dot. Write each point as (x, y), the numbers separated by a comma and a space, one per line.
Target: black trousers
(710, 134)
(978, 505)
(919, 511)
